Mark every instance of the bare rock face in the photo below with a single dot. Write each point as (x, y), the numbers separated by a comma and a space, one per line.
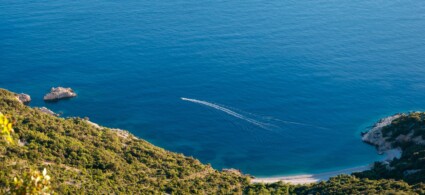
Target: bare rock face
(59, 93)
(23, 98)
(47, 111)
(232, 170)
(375, 136)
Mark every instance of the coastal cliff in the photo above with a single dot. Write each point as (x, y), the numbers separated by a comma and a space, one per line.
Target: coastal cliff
(375, 136)
(392, 131)
(403, 134)
(86, 158)
(83, 158)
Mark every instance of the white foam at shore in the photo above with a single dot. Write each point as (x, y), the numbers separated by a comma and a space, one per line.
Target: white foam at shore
(309, 178)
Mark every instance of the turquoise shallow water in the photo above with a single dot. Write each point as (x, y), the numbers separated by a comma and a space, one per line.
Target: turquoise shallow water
(285, 86)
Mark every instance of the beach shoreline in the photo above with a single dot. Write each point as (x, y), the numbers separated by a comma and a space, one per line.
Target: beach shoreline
(373, 136)
(309, 178)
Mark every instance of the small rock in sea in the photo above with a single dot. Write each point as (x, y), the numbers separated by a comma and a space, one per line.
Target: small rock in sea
(23, 98)
(59, 93)
(47, 111)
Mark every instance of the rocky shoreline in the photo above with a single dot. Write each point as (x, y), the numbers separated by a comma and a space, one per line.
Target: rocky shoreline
(55, 94)
(122, 133)
(47, 111)
(58, 93)
(23, 98)
(384, 144)
(375, 136)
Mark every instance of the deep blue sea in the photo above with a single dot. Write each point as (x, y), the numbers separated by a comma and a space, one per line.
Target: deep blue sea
(276, 87)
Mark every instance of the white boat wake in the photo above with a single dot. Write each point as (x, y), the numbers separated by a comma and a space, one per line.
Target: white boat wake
(229, 112)
(300, 124)
(263, 125)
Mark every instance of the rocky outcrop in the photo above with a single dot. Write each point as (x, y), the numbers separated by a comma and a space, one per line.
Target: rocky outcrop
(232, 170)
(47, 111)
(23, 98)
(395, 135)
(375, 137)
(121, 133)
(59, 93)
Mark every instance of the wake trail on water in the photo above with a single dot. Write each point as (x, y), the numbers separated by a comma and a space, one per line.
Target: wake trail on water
(272, 120)
(270, 125)
(300, 124)
(229, 112)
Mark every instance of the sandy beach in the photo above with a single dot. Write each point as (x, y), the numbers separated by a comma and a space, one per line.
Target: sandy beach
(309, 178)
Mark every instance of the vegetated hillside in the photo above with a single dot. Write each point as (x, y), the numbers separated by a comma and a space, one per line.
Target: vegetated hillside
(85, 159)
(408, 133)
(342, 184)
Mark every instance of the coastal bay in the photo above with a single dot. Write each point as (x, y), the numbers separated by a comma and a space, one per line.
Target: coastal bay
(318, 73)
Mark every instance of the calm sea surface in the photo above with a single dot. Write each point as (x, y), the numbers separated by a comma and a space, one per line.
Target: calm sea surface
(274, 87)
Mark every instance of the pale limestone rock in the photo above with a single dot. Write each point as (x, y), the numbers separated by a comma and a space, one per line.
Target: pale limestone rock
(375, 136)
(232, 170)
(47, 111)
(121, 133)
(59, 93)
(23, 98)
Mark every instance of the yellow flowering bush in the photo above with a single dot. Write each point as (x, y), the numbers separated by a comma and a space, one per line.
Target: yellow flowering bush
(6, 128)
(33, 183)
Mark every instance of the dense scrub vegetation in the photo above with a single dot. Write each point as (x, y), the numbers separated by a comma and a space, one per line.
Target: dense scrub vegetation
(84, 159)
(343, 184)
